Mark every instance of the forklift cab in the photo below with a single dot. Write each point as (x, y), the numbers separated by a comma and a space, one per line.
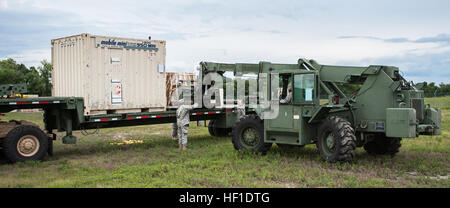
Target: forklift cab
(290, 126)
(303, 88)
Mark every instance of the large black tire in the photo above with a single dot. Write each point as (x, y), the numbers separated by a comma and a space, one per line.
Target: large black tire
(336, 141)
(248, 134)
(33, 144)
(383, 146)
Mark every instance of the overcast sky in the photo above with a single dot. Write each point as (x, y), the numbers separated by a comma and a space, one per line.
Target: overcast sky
(413, 35)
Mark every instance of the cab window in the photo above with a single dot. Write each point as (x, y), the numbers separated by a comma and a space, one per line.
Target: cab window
(304, 88)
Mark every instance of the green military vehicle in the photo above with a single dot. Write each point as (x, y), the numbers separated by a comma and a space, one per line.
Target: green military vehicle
(385, 109)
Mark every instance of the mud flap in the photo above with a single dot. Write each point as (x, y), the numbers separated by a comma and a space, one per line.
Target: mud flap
(50, 144)
(50, 147)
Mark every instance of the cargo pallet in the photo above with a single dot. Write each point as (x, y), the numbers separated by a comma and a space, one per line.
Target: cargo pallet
(22, 140)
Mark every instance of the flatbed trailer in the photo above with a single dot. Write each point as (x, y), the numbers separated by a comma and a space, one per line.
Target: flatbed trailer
(22, 140)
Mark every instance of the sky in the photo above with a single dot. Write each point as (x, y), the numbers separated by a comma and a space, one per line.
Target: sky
(412, 35)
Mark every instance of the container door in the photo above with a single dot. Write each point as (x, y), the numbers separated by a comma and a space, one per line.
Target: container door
(114, 76)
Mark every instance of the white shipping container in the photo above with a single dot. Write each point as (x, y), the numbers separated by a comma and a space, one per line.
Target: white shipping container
(112, 74)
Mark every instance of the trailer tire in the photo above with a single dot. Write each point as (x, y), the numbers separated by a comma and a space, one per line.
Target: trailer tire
(383, 146)
(211, 128)
(25, 143)
(217, 132)
(337, 141)
(221, 132)
(248, 134)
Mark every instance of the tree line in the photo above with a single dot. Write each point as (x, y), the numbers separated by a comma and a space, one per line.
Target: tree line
(432, 90)
(37, 79)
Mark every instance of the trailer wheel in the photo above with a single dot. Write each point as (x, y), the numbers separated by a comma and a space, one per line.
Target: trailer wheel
(221, 132)
(248, 134)
(211, 128)
(336, 142)
(383, 146)
(25, 143)
(217, 132)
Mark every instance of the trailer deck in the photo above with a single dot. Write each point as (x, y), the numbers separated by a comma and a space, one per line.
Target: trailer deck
(66, 114)
(57, 105)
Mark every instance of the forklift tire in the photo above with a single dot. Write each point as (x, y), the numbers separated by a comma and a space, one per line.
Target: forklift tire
(248, 134)
(383, 146)
(25, 143)
(337, 141)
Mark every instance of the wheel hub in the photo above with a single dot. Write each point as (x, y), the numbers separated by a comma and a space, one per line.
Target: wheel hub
(28, 145)
(330, 141)
(249, 137)
(328, 144)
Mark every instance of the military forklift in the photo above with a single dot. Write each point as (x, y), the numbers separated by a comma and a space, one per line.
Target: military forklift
(385, 109)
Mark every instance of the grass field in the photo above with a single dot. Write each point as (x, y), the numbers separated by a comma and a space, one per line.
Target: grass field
(213, 162)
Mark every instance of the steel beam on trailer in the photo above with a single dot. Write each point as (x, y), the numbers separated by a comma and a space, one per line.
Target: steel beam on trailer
(147, 118)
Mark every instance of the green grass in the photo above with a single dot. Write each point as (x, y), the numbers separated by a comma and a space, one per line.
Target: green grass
(213, 162)
(439, 102)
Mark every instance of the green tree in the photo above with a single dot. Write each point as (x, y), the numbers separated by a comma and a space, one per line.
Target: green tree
(45, 72)
(21, 68)
(38, 80)
(33, 81)
(430, 88)
(9, 73)
(444, 88)
(8, 64)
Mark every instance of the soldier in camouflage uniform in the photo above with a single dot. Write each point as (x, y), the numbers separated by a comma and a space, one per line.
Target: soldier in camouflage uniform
(174, 100)
(288, 98)
(183, 122)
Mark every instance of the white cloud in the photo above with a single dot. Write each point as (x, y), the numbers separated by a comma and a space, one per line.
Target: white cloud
(3, 4)
(30, 57)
